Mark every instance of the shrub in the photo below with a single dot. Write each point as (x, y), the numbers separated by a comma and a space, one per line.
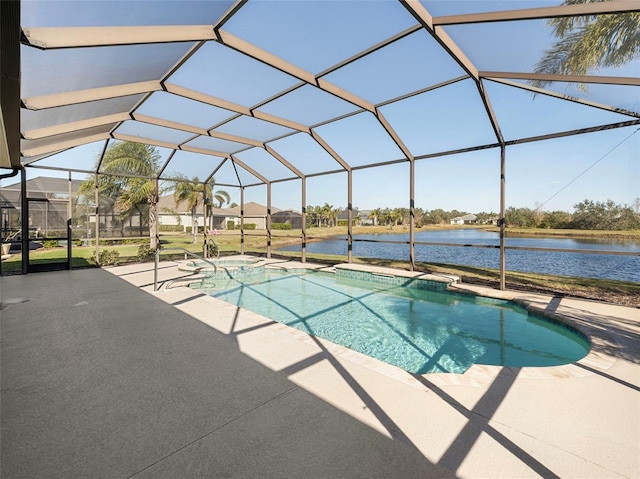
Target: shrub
(123, 241)
(231, 225)
(346, 222)
(144, 251)
(108, 257)
(190, 229)
(50, 243)
(280, 226)
(249, 226)
(170, 228)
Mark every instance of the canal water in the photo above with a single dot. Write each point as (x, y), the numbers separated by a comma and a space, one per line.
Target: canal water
(590, 265)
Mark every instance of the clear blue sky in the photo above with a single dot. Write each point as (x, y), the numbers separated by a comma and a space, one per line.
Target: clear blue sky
(447, 118)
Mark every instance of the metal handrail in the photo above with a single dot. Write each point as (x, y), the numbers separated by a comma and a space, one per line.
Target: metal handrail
(186, 251)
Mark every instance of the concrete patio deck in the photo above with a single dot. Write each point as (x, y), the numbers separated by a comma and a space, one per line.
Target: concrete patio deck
(102, 377)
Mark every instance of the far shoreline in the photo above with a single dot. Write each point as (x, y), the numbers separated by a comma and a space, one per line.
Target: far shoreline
(330, 231)
(316, 234)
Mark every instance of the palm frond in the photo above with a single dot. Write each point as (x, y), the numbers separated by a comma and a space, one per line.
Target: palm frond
(586, 44)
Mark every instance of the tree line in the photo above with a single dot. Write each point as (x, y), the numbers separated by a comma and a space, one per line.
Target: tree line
(587, 215)
(327, 215)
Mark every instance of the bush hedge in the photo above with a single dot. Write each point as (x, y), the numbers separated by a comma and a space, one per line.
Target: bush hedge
(170, 228)
(280, 226)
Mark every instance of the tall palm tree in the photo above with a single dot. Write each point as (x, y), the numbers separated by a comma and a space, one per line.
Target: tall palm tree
(195, 193)
(137, 164)
(335, 212)
(326, 213)
(374, 215)
(586, 43)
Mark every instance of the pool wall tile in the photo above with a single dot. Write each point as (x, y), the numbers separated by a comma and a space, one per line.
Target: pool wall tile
(391, 280)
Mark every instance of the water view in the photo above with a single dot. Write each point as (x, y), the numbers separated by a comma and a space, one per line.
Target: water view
(622, 268)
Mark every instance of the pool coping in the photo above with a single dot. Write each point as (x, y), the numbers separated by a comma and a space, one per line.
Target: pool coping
(583, 316)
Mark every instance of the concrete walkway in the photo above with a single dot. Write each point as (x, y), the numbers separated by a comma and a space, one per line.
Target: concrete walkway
(103, 379)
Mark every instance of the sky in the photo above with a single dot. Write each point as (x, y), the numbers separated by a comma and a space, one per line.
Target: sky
(556, 174)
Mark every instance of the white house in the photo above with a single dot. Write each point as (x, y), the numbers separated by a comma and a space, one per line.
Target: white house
(464, 220)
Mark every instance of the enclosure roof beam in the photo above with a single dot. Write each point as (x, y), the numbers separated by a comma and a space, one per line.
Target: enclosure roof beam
(48, 38)
(549, 77)
(204, 151)
(227, 105)
(34, 159)
(152, 120)
(92, 94)
(56, 168)
(489, 110)
(249, 169)
(586, 9)
(394, 136)
(237, 139)
(228, 15)
(426, 20)
(581, 131)
(146, 141)
(272, 60)
(561, 96)
(372, 49)
(282, 160)
(330, 150)
(216, 169)
(51, 147)
(74, 126)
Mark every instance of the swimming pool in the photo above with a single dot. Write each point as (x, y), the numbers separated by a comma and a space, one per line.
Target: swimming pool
(415, 328)
(235, 268)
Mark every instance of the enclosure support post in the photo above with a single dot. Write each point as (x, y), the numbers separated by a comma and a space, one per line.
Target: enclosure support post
(412, 194)
(242, 220)
(503, 223)
(349, 216)
(69, 225)
(24, 221)
(153, 210)
(304, 220)
(97, 200)
(268, 220)
(205, 200)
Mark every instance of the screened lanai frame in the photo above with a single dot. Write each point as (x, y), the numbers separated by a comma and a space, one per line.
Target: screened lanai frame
(57, 118)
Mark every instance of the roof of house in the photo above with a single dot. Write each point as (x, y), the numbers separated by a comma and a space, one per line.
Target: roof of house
(39, 187)
(465, 218)
(344, 214)
(45, 184)
(167, 203)
(251, 209)
(289, 211)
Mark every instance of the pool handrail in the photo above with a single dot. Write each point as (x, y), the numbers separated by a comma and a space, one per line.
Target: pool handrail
(175, 248)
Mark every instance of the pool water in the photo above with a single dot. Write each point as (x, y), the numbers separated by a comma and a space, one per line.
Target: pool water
(419, 331)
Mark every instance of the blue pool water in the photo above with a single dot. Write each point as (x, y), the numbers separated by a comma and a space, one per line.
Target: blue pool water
(419, 331)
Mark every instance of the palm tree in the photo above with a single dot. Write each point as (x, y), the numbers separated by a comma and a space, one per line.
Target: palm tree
(138, 164)
(326, 213)
(586, 43)
(335, 212)
(374, 215)
(195, 193)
